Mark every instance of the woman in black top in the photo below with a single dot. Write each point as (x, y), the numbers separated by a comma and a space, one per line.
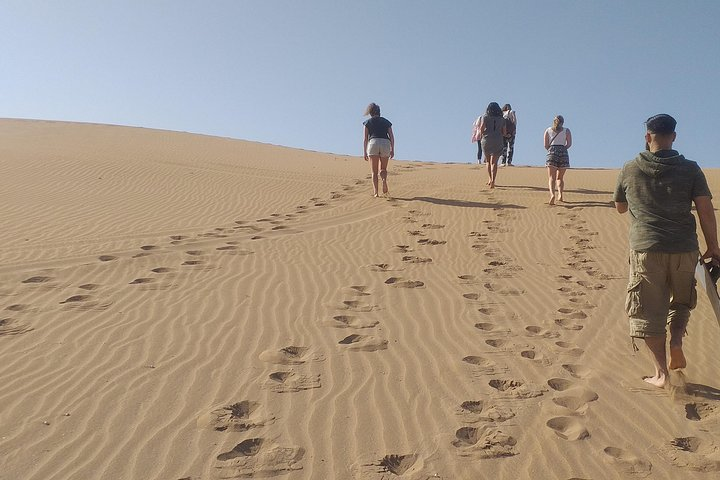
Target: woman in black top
(378, 145)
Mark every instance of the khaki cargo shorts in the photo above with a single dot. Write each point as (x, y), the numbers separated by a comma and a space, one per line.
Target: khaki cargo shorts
(661, 290)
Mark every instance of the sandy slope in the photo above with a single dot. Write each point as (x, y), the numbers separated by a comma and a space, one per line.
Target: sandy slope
(175, 306)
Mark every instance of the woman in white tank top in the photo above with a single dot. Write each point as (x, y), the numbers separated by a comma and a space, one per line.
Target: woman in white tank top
(557, 141)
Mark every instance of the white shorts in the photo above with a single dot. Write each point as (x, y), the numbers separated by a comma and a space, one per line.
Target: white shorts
(379, 146)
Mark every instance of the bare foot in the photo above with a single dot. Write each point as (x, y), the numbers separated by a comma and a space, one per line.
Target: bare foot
(488, 182)
(560, 199)
(492, 184)
(385, 189)
(677, 358)
(552, 200)
(657, 381)
(375, 195)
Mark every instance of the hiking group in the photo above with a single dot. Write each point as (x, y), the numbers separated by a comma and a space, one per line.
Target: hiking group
(658, 188)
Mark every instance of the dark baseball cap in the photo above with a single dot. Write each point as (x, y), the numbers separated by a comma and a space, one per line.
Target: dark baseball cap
(662, 123)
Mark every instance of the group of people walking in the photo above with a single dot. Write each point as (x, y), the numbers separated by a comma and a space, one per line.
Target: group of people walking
(494, 133)
(658, 188)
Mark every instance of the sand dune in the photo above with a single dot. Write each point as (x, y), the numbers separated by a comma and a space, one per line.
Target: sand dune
(177, 306)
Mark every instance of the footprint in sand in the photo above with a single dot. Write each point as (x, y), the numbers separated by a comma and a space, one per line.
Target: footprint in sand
(492, 328)
(402, 248)
(472, 296)
(537, 357)
(178, 237)
(380, 267)
(484, 366)
(291, 381)
(432, 226)
(107, 258)
(356, 306)
(536, 331)
(569, 349)
(140, 281)
(483, 411)
(149, 247)
(161, 270)
(576, 403)
(484, 443)
(364, 343)
(568, 428)
(415, 259)
(428, 241)
(581, 303)
(517, 389)
(194, 253)
(693, 453)
(500, 343)
(395, 464)
(572, 313)
(577, 371)
(559, 384)
(193, 262)
(357, 290)
(627, 463)
(237, 417)
(506, 291)
(591, 286)
(701, 411)
(234, 249)
(76, 298)
(256, 457)
(467, 279)
(415, 233)
(399, 282)
(291, 355)
(349, 321)
(38, 279)
(568, 324)
(10, 326)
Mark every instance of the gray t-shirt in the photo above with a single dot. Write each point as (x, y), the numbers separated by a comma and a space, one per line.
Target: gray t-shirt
(659, 189)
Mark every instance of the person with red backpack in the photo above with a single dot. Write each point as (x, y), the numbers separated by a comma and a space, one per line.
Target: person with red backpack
(509, 139)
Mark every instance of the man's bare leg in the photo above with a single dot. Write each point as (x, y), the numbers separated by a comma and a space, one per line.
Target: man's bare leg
(677, 357)
(656, 345)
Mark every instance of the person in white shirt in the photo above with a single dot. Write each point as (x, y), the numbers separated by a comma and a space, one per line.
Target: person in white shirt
(557, 141)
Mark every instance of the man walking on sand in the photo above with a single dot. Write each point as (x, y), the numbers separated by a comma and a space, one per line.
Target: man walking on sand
(658, 188)
(509, 138)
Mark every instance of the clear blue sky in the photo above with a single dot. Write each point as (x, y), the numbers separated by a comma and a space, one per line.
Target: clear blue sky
(300, 73)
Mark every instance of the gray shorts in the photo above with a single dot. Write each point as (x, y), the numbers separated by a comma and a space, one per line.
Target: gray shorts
(661, 290)
(379, 146)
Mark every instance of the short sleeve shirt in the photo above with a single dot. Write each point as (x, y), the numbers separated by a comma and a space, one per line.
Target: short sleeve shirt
(378, 127)
(659, 190)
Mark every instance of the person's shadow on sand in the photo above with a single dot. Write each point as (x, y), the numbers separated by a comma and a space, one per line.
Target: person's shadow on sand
(459, 203)
(703, 391)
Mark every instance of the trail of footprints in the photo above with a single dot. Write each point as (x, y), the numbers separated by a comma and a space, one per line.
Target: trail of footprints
(481, 436)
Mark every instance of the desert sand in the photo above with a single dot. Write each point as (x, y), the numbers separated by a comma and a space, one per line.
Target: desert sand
(178, 306)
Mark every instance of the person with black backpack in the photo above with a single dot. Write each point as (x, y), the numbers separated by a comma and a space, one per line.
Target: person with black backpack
(509, 139)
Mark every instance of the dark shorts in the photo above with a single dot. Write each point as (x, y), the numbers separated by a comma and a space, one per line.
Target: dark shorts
(558, 157)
